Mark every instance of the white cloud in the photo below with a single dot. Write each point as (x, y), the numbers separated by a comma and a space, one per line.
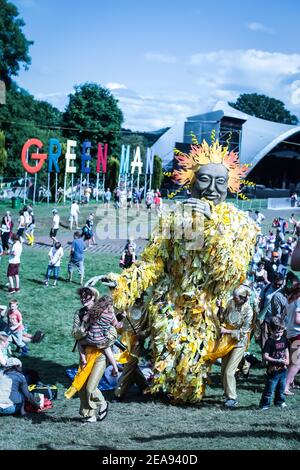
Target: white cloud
(255, 26)
(115, 86)
(153, 111)
(232, 72)
(295, 93)
(209, 78)
(58, 99)
(160, 58)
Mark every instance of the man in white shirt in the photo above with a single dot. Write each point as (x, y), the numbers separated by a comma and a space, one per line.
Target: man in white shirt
(55, 226)
(74, 214)
(14, 265)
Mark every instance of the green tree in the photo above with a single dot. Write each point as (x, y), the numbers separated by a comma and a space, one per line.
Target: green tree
(264, 107)
(93, 114)
(157, 172)
(112, 175)
(14, 46)
(3, 153)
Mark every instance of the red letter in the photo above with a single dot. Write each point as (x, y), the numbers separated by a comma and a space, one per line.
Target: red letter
(101, 158)
(35, 156)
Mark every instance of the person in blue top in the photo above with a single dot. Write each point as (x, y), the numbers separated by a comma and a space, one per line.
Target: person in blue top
(76, 257)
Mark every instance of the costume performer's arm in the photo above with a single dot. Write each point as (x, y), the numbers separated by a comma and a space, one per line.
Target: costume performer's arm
(135, 280)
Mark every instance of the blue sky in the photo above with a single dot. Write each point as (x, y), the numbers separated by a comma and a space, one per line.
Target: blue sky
(163, 60)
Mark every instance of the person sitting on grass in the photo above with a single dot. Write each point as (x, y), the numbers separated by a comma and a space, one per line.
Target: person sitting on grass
(14, 389)
(56, 254)
(16, 329)
(4, 348)
(276, 353)
(101, 331)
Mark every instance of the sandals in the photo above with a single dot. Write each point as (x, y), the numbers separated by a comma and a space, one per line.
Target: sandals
(102, 414)
(288, 392)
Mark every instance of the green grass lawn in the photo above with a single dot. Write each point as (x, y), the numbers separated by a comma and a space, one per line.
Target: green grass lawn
(132, 424)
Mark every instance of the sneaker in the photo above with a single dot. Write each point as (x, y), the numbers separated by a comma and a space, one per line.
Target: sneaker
(282, 405)
(54, 285)
(230, 403)
(46, 283)
(91, 419)
(264, 408)
(11, 290)
(17, 289)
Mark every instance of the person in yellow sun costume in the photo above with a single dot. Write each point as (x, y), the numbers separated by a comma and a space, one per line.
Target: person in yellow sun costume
(199, 252)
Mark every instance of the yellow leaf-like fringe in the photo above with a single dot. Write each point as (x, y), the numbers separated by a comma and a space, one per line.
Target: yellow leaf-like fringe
(186, 283)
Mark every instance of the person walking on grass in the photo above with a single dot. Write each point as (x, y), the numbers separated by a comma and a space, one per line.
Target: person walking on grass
(14, 265)
(55, 225)
(93, 405)
(102, 331)
(76, 257)
(276, 353)
(74, 212)
(237, 322)
(56, 254)
(21, 226)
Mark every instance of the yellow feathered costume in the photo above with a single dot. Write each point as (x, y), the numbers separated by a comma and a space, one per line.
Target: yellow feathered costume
(187, 281)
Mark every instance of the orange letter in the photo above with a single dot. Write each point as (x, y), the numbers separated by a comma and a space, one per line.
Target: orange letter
(35, 156)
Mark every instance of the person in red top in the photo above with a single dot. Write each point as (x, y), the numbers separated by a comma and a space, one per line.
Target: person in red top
(16, 329)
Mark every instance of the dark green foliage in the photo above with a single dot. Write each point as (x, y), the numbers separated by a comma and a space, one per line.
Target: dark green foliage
(113, 168)
(157, 173)
(264, 107)
(93, 114)
(14, 46)
(23, 118)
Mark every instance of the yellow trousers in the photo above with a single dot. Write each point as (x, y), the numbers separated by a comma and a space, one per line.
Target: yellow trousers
(229, 367)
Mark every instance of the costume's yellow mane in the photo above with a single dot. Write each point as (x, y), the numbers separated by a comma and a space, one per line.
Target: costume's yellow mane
(202, 154)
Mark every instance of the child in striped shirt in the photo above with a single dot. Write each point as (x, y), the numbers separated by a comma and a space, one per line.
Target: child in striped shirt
(102, 330)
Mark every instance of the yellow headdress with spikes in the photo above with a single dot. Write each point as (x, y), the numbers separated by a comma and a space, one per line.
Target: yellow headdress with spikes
(202, 154)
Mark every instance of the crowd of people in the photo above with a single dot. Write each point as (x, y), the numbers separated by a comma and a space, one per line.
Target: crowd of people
(265, 307)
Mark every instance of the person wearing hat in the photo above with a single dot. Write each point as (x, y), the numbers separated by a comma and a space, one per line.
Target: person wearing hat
(14, 389)
(93, 405)
(55, 225)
